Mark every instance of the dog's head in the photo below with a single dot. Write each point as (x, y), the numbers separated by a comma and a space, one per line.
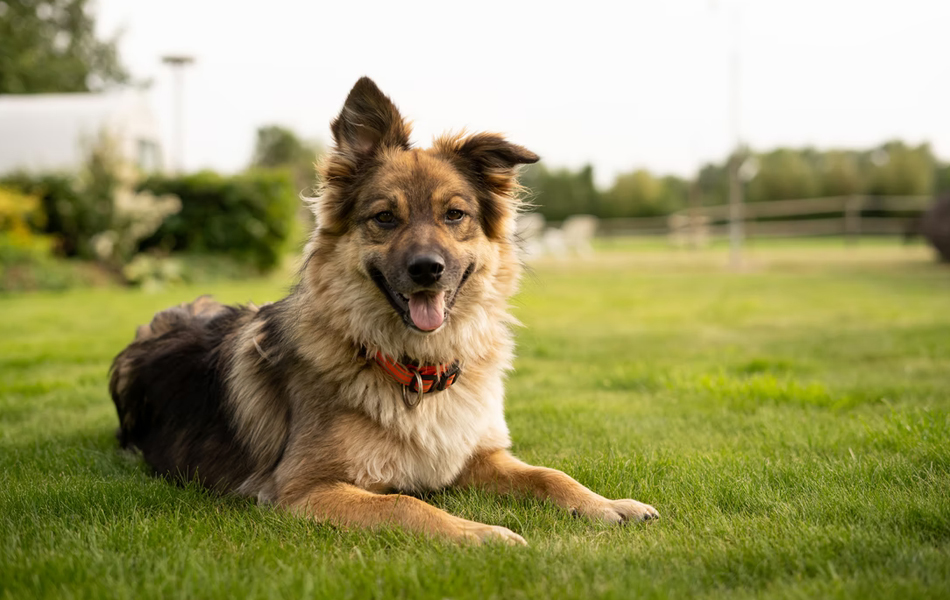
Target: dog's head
(425, 228)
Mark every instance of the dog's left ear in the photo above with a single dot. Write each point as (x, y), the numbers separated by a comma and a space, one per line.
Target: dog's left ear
(490, 162)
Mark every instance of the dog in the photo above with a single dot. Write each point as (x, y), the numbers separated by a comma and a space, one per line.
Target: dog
(380, 376)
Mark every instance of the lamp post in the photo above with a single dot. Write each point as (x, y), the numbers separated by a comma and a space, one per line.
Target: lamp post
(178, 62)
(736, 229)
(736, 200)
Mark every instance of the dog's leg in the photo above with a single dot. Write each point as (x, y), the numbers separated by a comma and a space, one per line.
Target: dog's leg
(500, 471)
(348, 505)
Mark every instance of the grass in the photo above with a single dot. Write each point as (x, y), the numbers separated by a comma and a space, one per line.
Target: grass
(791, 423)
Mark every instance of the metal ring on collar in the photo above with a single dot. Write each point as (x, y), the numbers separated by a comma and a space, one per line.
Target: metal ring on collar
(420, 391)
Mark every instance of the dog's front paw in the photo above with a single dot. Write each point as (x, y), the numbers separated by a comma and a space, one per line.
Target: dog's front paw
(481, 533)
(616, 512)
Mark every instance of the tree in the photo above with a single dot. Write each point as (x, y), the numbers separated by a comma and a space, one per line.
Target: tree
(784, 174)
(562, 193)
(50, 46)
(278, 146)
(713, 183)
(840, 173)
(942, 178)
(896, 169)
(641, 194)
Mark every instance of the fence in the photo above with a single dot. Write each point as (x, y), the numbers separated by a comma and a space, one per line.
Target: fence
(850, 216)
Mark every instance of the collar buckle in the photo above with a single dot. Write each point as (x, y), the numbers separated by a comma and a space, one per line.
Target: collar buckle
(415, 380)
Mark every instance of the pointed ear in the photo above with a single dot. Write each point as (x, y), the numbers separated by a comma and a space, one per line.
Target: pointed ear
(369, 121)
(490, 162)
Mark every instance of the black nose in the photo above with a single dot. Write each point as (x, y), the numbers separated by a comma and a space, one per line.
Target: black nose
(426, 269)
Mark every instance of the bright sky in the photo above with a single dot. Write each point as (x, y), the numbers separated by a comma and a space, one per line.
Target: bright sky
(617, 84)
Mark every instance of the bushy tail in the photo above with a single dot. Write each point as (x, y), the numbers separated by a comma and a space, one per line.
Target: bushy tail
(125, 386)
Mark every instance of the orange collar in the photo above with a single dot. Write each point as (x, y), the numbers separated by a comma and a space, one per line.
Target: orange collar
(418, 380)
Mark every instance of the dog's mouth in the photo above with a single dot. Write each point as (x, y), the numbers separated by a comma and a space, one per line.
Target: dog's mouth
(425, 310)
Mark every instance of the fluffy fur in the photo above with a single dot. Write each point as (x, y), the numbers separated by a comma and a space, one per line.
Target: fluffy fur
(283, 402)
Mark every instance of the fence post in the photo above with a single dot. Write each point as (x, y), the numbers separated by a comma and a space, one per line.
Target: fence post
(852, 218)
(736, 216)
(694, 209)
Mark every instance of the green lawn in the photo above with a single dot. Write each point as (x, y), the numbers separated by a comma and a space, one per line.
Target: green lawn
(790, 422)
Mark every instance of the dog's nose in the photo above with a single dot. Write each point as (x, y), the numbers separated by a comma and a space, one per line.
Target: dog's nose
(426, 269)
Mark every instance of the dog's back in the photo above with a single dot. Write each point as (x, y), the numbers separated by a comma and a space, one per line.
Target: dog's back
(168, 389)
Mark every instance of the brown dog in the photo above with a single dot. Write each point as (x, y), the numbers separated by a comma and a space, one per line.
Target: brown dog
(382, 372)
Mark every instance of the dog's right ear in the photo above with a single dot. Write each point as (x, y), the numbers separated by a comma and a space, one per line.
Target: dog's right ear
(368, 122)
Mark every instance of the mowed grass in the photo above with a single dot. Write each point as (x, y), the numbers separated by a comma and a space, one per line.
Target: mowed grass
(790, 422)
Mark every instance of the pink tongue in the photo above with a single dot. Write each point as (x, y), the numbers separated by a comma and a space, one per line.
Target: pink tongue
(427, 309)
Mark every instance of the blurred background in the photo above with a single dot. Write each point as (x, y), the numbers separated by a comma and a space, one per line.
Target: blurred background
(156, 143)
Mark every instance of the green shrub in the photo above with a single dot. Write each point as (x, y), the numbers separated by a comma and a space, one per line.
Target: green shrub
(27, 260)
(249, 217)
(21, 215)
(29, 265)
(75, 213)
(22, 250)
(152, 272)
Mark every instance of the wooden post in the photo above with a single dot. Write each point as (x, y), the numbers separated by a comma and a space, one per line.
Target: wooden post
(694, 202)
(736, 218)
(852, 218)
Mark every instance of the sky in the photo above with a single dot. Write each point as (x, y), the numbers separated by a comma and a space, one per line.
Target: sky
(665, 85)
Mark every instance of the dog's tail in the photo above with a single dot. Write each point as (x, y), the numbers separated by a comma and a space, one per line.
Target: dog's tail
(125, 386)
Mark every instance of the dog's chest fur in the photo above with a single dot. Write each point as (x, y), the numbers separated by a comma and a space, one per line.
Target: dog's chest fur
(390, 446)
(336, 415)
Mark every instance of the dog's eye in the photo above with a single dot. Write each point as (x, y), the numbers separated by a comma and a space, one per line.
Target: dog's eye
(454, 215)
(385, 218)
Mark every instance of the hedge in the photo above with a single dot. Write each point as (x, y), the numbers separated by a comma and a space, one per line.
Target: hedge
(249, 216)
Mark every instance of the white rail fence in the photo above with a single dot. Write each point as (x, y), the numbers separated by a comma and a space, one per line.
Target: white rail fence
(850, 216)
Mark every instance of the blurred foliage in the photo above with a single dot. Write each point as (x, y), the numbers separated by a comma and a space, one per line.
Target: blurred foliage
(106, 214)
(562, 193)
(278, 146)
(892, 169)
(151, 271)
(80, 206)
(784, 174)
(641, 194)
(75, 212)
(21, 215)
(26, 260)
(96, 214)
(942, 179)
(839, 173)
(50, 46)
(249, 216)
(33, 267)
(897, 169)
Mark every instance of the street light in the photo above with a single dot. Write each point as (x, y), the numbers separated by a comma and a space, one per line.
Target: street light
(178, 62)
(736, 201)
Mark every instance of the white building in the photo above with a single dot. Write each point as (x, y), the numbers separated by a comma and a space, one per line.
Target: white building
(54, 132)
